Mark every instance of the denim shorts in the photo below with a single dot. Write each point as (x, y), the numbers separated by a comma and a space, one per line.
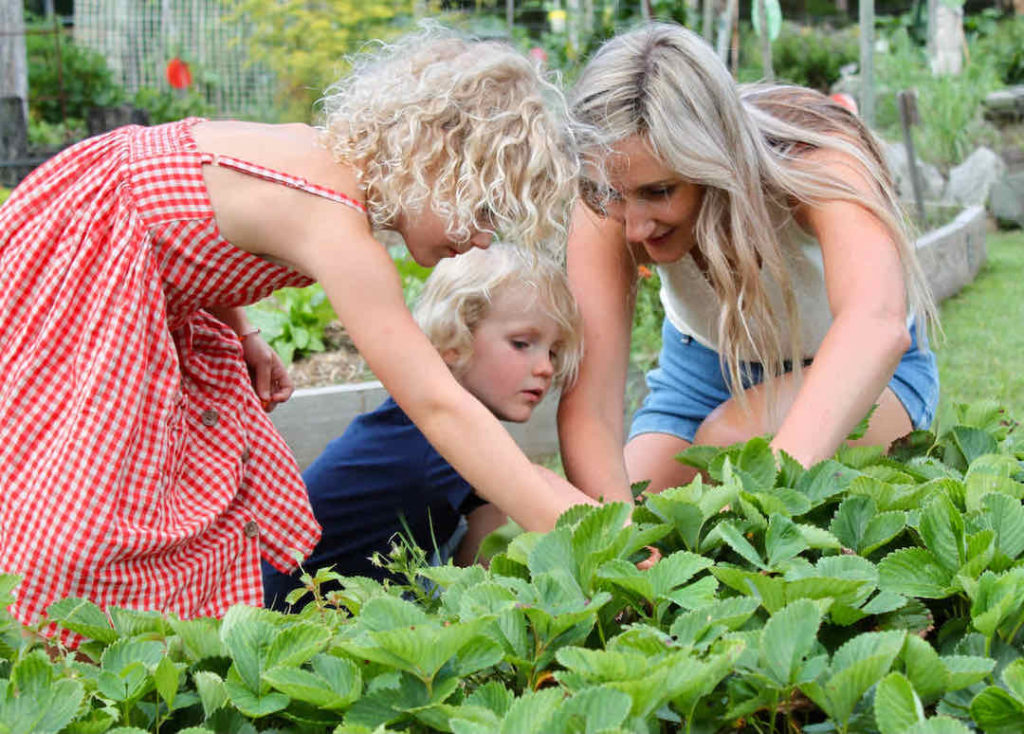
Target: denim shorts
(688, 384)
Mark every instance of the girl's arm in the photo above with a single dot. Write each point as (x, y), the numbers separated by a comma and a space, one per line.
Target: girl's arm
(482, 521)
(363, 286)
(868, 336)
(270, 379)
(335, 246)
(602, 274)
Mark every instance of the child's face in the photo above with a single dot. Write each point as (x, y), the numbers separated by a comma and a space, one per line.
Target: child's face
(428, 241)
(514, 348)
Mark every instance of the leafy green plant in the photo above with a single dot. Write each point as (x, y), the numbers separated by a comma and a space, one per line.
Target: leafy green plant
(413, 275)
(1001, 41)
(648, 316)
(54, 135)
(305, 46)
(61, 92)
(292, 320)
(804, 55)
(870, 593)
(4, 193)
(168, 105)
(951, 123)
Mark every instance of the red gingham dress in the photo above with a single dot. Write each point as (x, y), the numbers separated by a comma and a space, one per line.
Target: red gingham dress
(137, 468)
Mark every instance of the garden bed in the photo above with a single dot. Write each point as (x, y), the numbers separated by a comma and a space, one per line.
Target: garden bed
(869, 593)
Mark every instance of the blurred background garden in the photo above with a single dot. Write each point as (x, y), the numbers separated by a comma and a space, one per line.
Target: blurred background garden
(72, 68)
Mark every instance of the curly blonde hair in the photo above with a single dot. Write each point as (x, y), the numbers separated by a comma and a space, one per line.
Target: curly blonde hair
(458, 295)
(471, 129)
(745, 146)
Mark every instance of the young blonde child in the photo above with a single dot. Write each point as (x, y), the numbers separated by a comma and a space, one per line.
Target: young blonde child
(507, 326)
(138, 467)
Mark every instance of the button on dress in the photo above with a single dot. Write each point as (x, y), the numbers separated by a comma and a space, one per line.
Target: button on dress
(137, 467)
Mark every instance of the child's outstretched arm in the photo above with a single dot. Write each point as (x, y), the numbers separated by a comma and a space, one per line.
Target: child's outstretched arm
(363, 286)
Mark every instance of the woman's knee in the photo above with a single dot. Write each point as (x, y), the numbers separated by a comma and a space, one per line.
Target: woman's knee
(725, 425)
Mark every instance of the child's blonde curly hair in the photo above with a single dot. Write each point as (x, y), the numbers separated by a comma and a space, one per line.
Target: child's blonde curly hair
(458, 295)
(470, 129)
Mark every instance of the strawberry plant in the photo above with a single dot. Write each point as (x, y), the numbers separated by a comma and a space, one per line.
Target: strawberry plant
(292, 320)
(871, 593)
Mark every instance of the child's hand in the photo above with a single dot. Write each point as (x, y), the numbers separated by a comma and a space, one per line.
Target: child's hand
(270, 379)
(654, 557)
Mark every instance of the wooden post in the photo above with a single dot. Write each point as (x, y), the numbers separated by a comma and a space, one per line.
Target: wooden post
(572, 21)
(908, 117)
(708, 24)
(724, 32)
(510, 14)
(766, 40)
(13, 60)
(57, 31)
(734, 45)
(867, 62)
(932, 9)
(13, 129)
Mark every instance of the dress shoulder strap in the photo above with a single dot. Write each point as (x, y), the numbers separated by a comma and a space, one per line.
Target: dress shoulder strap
(286, 179)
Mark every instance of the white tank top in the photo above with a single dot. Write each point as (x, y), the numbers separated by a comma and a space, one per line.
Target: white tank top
(693, 307)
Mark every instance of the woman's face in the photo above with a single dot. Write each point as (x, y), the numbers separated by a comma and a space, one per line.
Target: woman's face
(658, 209)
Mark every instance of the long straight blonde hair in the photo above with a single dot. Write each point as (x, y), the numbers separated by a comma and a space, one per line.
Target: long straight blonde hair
(746, 146)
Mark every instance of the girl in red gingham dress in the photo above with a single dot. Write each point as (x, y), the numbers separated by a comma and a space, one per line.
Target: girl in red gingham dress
(138, 467)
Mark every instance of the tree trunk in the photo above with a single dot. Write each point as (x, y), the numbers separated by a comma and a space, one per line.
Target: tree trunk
(13, 65)
(692, 12)
(766, 40)
(867, 61)
(573, 18)
(708, 24)
(724, 32)
(949, 40)
(734, 46)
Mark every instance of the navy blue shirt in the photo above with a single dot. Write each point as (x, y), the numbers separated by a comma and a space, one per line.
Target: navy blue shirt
(378, 479)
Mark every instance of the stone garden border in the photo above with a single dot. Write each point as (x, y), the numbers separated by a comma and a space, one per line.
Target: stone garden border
(950, 257)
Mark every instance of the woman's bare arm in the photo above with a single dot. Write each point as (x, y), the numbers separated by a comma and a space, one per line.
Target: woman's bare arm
(868, 336)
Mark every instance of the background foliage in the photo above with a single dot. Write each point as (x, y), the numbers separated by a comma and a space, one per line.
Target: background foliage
(306, 44)
(66, 81)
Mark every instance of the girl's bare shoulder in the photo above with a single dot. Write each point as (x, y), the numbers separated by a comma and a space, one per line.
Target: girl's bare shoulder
(292, 148)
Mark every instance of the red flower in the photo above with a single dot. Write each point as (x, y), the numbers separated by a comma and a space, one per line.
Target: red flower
(539, 54)
(844, 100)
(179, 75)
(644, 272)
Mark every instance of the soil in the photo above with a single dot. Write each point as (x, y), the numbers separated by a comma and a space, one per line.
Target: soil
(340, 363)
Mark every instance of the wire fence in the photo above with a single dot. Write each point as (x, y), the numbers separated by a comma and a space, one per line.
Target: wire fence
(140, 37)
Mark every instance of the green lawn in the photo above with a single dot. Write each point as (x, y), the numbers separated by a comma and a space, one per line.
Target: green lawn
(982, 356)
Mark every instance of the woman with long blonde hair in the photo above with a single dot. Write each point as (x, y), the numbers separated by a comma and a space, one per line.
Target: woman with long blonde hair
(793, 299)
